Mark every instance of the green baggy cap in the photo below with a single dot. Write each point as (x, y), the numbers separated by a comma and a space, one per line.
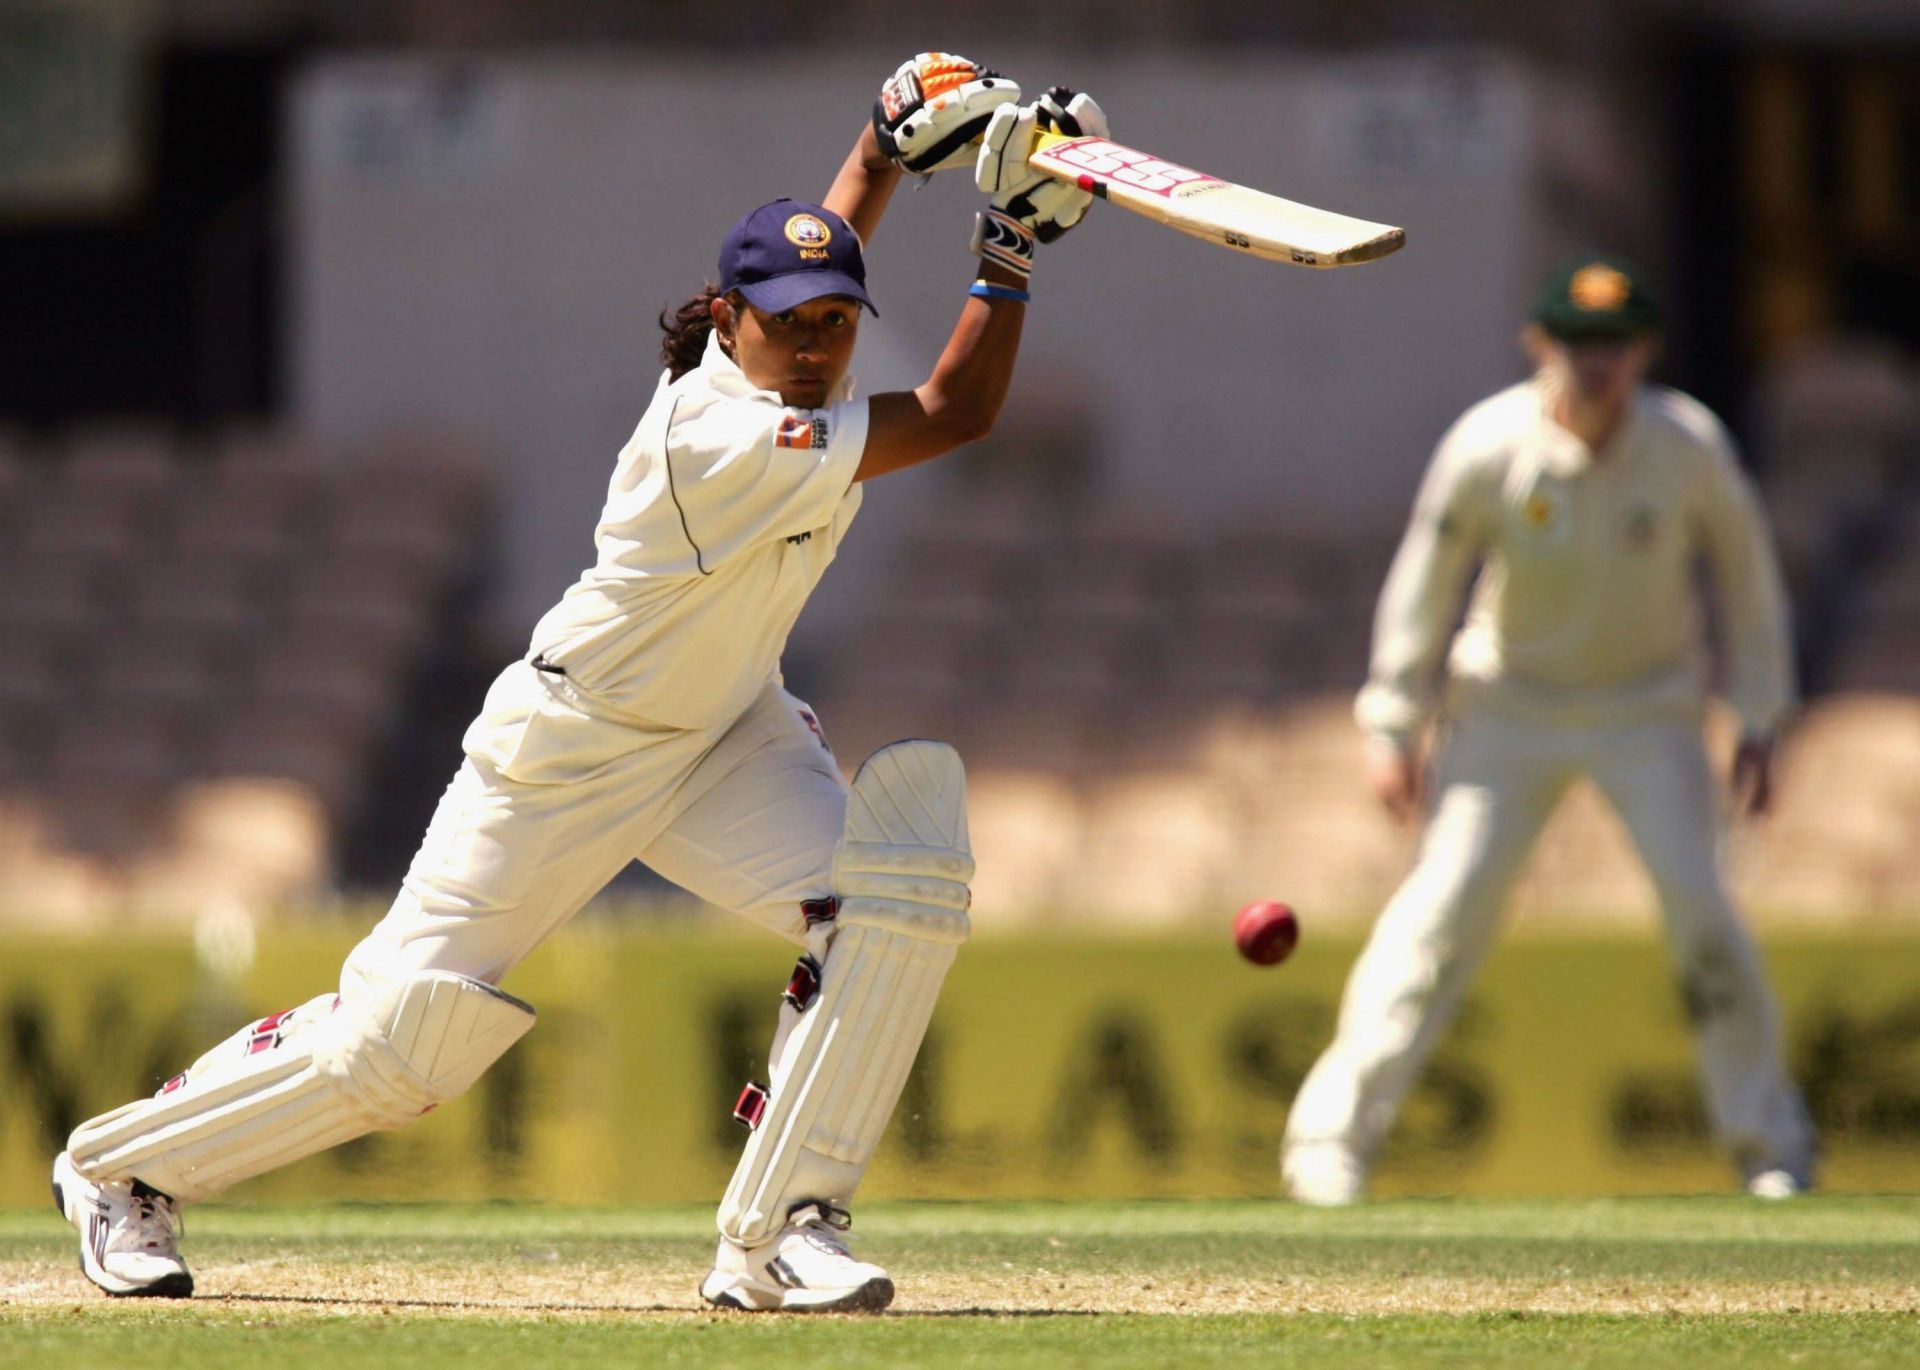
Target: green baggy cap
(1596, 297)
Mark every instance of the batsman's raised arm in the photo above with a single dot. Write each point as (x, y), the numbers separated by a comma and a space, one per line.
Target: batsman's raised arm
(960, 401)
(864, 185)
(927, 118)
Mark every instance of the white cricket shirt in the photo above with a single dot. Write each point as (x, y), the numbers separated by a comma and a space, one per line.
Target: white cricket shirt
(1587, 605)
(725, 509)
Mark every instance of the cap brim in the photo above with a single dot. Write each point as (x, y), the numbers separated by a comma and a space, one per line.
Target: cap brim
(797, 287)
(1597, 329)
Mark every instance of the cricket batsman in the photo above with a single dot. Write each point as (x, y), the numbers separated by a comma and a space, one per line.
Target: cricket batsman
(648, 721)
(1577, 506)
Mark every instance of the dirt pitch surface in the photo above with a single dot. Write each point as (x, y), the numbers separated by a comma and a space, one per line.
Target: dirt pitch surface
(1822, 1281)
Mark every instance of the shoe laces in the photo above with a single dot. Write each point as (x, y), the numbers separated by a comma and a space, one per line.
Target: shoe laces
(825, 1228)
(823, 1238)
(153, 1222)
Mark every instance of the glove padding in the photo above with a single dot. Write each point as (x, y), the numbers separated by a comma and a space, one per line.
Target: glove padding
(931, 110)
(1043, 206)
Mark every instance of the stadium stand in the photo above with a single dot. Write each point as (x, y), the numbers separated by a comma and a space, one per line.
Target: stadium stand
(1839, 426)
(1841, 841)
(206, 649)
(189, 626)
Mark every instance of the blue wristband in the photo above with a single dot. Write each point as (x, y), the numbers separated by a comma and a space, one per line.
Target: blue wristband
(987, 290)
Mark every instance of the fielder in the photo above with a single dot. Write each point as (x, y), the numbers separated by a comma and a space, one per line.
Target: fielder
(649, 722)
(1582, 501)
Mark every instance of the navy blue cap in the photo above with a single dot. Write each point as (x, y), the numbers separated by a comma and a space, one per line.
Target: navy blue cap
(787, 253)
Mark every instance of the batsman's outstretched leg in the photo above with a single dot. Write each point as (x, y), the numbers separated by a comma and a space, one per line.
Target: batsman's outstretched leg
(851, 1023)
(129, 1234)
(279, 1089)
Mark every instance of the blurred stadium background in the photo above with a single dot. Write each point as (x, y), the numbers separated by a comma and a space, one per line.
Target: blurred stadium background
(324, 321)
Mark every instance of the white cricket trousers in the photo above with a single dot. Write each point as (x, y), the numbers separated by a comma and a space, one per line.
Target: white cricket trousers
(555, 797)
(1498, 779)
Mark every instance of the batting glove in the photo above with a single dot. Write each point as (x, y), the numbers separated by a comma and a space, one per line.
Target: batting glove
(931, 110)
(1026, 205)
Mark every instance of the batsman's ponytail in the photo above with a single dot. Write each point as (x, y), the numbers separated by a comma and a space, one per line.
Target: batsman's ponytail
(686, 330)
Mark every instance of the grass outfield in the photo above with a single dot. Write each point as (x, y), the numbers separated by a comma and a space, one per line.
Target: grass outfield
(1695, 1282)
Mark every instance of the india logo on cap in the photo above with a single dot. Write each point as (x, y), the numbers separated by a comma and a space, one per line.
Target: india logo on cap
(1599, 287)
(810, 234)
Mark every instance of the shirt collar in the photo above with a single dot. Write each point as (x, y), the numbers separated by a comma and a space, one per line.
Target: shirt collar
(718, 372)
(1564, 454)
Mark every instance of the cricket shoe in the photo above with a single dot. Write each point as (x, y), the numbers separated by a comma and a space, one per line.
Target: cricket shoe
(806, 1268)
(1776, 1183)
(1777, 1171)
(1323, 1174)
(129, 1234)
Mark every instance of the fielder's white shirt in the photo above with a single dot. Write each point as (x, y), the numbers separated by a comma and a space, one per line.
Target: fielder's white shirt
(725, 509)
(1586, 606)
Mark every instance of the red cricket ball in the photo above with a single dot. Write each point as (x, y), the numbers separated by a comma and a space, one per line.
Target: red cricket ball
(1266, 932)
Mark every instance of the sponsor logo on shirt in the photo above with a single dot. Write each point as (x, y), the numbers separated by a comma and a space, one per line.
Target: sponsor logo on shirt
(802, 433)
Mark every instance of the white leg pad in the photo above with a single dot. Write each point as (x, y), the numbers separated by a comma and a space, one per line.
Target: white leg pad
(844, 1049)
(302, 1081)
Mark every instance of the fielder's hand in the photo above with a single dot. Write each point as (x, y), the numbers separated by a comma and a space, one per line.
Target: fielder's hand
(931, 110)
(1393, 774)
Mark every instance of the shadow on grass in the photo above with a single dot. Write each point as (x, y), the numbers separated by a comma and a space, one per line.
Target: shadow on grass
(468, 1306)
(448, 1305)
(997, 1313)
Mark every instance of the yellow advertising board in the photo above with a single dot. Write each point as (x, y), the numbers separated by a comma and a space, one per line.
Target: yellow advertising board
(1057, 1066)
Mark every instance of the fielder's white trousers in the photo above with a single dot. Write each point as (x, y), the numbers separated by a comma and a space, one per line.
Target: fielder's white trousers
(1498, 779)
(555, 797)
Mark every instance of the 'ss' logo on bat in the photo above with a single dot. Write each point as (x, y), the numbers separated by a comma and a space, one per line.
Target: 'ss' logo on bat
(1125, 165)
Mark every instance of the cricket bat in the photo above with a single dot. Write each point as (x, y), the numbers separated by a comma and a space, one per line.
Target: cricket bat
(1211, 209)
